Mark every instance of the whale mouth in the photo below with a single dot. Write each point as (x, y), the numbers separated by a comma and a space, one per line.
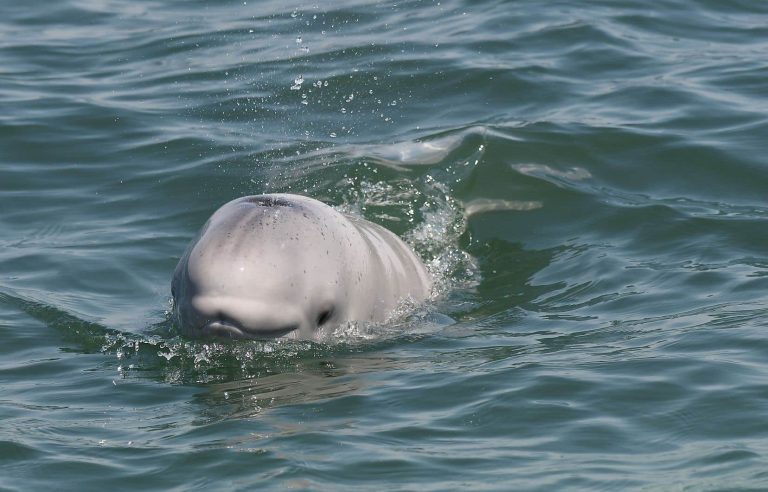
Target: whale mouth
(226, 329)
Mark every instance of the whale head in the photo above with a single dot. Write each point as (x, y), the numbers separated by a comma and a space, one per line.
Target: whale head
(270, 266)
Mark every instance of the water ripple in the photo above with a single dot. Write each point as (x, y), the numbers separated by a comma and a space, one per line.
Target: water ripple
(585, 182)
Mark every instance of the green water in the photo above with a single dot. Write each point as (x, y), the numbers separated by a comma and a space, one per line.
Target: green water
(587, 182)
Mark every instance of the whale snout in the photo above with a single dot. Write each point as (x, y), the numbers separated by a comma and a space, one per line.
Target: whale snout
(236, 318)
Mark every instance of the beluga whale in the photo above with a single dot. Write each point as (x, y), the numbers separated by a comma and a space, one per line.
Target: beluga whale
(283, 265)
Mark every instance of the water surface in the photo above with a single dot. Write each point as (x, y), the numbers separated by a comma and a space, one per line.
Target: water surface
(586, 181)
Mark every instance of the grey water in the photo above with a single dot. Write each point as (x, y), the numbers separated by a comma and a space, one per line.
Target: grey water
(586, 181)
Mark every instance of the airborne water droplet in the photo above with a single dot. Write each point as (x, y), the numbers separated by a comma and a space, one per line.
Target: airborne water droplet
(297, 83)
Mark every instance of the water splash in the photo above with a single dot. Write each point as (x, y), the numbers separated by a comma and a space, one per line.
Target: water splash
(434, 223)
(297, 83)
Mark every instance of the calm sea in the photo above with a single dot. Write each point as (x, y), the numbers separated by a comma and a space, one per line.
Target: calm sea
(586, 180)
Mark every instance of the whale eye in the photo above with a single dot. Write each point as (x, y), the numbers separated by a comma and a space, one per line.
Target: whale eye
(324, 316)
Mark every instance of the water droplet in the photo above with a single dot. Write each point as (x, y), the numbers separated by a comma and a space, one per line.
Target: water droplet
(298, 40)
(333, 134)
(295, 13)
(297, 83)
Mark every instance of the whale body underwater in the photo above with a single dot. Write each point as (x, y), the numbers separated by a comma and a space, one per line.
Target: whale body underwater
(283, 265)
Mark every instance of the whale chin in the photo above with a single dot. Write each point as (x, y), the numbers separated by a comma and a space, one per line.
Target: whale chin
(226, 329)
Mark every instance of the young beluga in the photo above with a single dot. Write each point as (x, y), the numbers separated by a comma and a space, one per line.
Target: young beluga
(283, 265)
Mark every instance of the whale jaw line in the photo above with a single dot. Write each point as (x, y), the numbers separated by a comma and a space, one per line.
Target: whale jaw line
(225, 329)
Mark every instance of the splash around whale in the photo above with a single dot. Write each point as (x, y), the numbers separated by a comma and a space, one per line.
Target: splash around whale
(283, 265)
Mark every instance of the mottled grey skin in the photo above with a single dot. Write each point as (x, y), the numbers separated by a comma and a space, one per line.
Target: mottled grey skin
(286, 265)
